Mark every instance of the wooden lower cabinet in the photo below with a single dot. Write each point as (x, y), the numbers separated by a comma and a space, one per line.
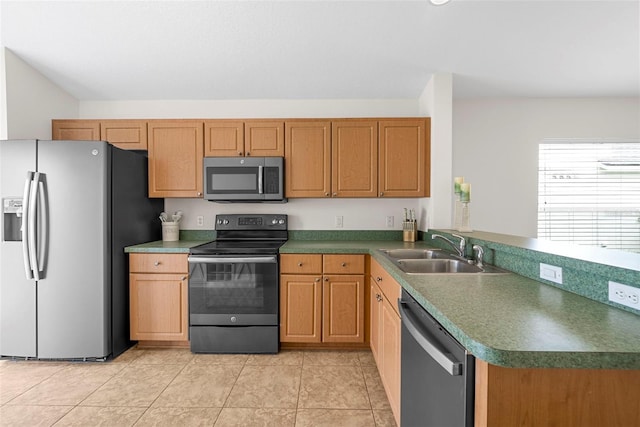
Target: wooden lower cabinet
(158, 290)
(385, 330)
(320, 305)
(556, 397)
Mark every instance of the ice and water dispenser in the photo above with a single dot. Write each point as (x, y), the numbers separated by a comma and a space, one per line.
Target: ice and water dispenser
(12, 212)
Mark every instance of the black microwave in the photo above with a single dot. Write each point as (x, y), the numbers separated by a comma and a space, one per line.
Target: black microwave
(244, 179)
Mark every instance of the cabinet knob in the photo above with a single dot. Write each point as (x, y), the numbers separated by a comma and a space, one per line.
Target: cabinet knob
(299, 264)
(378, 297)
(381, 194)
(379, 279)
(326, 279)
(326, 194)
(156, 263)
(199, 194)
(184, 277)
(335, 194)
(239, 153)
(248, 153)
(344, 264)
(317, 279)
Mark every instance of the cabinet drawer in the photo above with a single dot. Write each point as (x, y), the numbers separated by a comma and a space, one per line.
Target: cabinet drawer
(301, 264)
(388, 285)
(343, 264)
(158, 263)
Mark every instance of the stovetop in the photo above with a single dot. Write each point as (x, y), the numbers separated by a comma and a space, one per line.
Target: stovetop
(246, 234)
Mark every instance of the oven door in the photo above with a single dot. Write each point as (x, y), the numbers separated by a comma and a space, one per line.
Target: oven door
(233, 290)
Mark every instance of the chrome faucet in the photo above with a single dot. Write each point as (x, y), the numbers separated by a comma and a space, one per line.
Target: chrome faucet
(460, 248)
(479, 254)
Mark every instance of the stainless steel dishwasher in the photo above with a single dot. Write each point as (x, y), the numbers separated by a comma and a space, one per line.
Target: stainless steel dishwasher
(437, 373)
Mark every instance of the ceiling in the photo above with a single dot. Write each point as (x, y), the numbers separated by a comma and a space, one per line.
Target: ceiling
(146, 50)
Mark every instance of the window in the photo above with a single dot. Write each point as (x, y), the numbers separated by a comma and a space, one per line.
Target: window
(589, 193)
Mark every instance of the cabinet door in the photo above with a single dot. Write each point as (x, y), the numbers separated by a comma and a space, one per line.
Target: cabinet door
(264, 138)
(175, 158)
(125, 134)
(390, 349)
(300, 308)
(224, 138)
(308, 159)
(343, 308)
(75, 130)
(158, 307)
(354, 151)
(404, 158)
(375, 312)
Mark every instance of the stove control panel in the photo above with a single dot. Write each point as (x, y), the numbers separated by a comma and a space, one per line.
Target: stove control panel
(251, 222)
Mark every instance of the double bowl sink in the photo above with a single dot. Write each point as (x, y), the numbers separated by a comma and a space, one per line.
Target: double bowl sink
(435, 261)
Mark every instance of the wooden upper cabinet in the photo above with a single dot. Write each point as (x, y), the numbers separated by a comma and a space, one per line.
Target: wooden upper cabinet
(125, 134)
(238, 138)
(224, 138)
(264, 138)
(176, 150)
(76, 130)
(308, 158)
(354, 152)
(404, 158)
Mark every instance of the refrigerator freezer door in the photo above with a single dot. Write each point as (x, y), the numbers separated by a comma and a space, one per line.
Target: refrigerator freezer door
(74, 295)
(17, 293)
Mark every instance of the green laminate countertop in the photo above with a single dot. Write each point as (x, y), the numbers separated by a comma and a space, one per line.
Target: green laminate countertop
(160, 246)
(510, 320)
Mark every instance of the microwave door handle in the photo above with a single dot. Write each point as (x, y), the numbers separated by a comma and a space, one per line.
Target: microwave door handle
(260, 179)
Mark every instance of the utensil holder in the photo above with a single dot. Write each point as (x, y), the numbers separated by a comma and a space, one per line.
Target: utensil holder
(170, 231)
(409, 231)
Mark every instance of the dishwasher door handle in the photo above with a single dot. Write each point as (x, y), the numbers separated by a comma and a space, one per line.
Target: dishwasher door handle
(450, 365)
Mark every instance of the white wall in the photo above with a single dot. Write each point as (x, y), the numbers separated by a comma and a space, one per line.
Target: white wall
(32, 100)
(305, 214)
(495, 147)
(436, 102)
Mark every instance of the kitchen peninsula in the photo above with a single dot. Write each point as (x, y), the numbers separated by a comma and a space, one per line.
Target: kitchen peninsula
(542, 353)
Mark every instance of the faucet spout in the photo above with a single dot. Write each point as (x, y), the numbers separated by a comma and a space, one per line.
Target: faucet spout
(459, 248)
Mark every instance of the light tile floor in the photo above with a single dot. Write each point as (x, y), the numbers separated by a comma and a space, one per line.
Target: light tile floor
(173, 387)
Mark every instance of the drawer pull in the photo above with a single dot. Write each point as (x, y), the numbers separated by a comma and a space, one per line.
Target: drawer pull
(299, 264)
(156, 263)
(379, 279)
(344, 264)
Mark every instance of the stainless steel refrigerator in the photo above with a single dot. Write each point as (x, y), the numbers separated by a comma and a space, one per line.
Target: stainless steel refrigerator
(69, 209)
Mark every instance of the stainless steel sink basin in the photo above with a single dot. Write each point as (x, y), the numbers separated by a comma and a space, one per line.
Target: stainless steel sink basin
(425, 266)
(416, 254)
(435, 261)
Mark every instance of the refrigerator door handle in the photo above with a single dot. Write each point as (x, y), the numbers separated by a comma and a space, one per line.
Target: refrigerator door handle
(25, 229)
(44, 230)
(33, 245)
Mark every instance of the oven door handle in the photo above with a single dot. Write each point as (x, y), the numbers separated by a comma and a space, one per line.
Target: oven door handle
(229, 260)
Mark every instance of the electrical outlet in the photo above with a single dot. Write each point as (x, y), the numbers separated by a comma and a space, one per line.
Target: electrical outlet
(624, 294)
(200, 220)
(390, 221)
(339, 221)
(551, 273)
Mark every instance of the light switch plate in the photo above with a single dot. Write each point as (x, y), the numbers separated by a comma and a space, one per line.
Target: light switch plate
(551, 273)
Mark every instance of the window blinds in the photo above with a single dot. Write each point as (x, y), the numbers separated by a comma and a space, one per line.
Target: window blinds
(589, 193)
